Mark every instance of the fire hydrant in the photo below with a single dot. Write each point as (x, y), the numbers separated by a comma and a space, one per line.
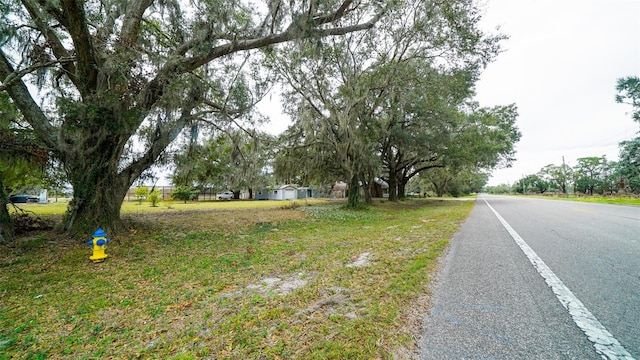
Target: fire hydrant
(99, 244)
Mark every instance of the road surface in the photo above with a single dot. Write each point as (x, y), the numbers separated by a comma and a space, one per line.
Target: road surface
(545, 279)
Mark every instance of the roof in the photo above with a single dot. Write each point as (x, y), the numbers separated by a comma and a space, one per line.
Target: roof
(288, 186)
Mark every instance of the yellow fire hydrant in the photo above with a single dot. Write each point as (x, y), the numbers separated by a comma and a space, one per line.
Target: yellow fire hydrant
(99, 245)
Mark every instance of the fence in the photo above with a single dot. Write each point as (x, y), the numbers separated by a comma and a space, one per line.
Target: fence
(209, 194)
(204, 195)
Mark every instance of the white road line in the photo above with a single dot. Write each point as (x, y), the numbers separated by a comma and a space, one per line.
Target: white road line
(605, 344)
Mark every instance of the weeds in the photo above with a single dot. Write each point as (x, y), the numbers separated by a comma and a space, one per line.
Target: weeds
(230, 284)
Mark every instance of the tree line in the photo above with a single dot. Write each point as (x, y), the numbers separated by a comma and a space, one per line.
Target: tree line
(589, 176)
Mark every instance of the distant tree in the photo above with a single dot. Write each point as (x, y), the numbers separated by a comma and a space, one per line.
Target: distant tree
(394, 102)
(184, 193)
(532, 183)
(587, 174)
(154, 197)
(628, 89)
(229, 160)
(141, 193)
(610, 177)
(498, 189)
(628, 168)
(540, 185)
(441, 179)
(455, 182)
(519, 187)
(557, 176)
(200, 165)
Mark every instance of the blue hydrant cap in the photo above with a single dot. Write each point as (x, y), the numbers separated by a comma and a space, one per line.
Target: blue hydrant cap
(99, 233)
(100, 242)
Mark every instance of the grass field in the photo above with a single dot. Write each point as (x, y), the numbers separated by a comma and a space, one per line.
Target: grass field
(229, 280)
(618, 200)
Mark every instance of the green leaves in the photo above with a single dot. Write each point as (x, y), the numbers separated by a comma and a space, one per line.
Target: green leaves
(628, 168)
(393, 102)
(184, 193)
(628, 89)
(227, 160)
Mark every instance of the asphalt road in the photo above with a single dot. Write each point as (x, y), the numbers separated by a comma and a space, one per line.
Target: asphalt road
(562, 283)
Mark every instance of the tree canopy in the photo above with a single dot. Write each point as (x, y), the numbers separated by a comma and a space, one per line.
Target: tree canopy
(628, 92)
(395, 101)
(233, 160)
(108, 85)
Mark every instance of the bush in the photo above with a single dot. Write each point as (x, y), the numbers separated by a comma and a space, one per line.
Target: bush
(154, 197)
(141, 194)
(184, 193)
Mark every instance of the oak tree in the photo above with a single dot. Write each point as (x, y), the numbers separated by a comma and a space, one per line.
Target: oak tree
(388, 101)
(107, 85)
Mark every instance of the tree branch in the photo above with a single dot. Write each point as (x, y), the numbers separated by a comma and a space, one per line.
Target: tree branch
(335, 15)
(59, 51)
(131, 23)
(177, 64)
(17, 76)
(290, 33)
(87, 66)
(50, 8)
(27, 106)
(164, 136)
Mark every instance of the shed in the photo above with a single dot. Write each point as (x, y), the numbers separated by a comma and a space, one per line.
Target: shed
(304, 193)
(284, 192)
(262, 194)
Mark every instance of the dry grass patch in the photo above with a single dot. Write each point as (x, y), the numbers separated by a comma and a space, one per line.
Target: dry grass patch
(230, 283)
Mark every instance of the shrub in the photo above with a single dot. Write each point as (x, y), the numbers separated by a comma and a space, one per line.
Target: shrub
(141, 194)
(154, 197)
(184, 193)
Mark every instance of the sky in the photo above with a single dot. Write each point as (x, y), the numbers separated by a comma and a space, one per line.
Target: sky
(559, 66)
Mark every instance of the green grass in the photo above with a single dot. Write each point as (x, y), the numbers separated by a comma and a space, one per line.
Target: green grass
(132, 207)
(596, 199)
(192, 287)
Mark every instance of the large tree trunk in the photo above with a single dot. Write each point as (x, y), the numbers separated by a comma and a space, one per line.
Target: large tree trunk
(367, 190)
(393, 187)
(402, 187)
(99, 185)
(6, 225)
(354, 192)
(98, 194)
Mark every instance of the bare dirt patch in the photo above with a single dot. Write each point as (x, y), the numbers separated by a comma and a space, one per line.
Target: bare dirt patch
(360, 261)
(280, 286)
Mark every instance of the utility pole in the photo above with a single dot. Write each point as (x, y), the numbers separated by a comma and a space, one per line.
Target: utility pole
(564, 178)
